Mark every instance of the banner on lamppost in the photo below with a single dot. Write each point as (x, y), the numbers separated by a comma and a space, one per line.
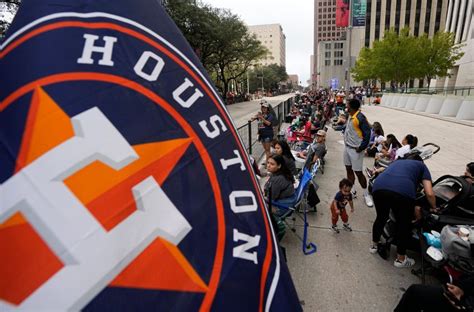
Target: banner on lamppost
(359, 8)
(342, 13)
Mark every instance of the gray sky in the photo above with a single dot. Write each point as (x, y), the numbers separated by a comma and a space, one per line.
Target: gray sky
(296, 19)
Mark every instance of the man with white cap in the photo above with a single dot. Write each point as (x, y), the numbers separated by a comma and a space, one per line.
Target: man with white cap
(316, 150)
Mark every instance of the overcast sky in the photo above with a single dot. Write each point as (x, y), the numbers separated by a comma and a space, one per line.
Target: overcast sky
(296, 19)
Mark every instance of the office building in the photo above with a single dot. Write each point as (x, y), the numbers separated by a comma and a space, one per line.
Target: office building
(273, 38)
(421, 16)
(324, 29)
(460, 21)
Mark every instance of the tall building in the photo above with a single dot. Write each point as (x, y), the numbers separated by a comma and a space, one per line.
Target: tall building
(324, 28)
(421, 16)
(294, 79)
(330, 58)
(273, 38)
(460, 21)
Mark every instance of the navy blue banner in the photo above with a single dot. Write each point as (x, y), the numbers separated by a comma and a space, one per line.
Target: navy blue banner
(123, 183)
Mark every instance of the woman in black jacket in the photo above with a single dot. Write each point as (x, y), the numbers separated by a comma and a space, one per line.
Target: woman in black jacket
(279, 187)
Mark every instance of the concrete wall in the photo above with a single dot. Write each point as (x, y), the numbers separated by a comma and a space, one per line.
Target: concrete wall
(449, 106)
(411, 102)
(422, 103)
(402, 101)
(435, 104)
(466, 111)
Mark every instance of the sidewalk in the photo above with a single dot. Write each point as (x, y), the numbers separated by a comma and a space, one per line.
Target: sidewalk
(343, 275)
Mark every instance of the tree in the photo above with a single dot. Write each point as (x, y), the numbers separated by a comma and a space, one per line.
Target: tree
(365, 68)
(272, 76)
(402, 57)
(438, 55)
(395, 56)
(219, 38)
(197, 23)
(237, 50)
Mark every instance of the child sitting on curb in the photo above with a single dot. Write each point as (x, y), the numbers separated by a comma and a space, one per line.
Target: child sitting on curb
(338, 205)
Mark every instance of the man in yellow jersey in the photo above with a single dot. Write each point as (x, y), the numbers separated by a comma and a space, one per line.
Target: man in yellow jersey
(356, 140)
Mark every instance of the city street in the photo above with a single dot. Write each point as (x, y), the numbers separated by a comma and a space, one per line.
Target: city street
(343, 275)
(242, 112)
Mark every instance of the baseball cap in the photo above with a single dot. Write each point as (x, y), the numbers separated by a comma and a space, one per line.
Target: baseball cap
(264, 104)
(321, 133)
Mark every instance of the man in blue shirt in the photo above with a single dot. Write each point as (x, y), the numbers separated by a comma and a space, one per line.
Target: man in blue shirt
(395, 189)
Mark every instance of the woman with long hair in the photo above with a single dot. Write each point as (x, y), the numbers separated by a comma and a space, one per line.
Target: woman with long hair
(282, 148)
(279, 187)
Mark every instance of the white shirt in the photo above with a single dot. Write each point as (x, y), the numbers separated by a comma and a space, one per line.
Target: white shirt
(402, 151)
(378, 141)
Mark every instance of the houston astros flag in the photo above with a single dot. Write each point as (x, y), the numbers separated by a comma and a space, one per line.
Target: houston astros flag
(123, 183)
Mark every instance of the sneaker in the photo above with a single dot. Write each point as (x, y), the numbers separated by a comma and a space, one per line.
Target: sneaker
(335, 229)
(368, 200)
(373, 249)
(354, 193)
(347, 227)
(408, 262)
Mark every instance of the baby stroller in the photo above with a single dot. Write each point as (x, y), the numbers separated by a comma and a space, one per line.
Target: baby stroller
(455, 199)
(425, 152)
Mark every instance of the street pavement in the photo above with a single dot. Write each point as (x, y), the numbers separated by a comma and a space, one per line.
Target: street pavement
(242, 112)
(342, 275)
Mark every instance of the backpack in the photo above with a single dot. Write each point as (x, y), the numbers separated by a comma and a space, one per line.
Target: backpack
(460, 253)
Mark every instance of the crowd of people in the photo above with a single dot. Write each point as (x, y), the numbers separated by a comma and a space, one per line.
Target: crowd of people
(396, 177)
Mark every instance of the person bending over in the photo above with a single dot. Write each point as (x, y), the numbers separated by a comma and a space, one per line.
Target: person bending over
(395, 189)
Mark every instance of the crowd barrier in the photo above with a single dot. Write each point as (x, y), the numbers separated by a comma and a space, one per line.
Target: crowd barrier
(459, 107)
(248, 132)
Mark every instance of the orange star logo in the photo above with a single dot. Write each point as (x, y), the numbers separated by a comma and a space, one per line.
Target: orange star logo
(27, 262)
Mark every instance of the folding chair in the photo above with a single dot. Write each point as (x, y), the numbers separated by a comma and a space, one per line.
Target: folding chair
(291, 207)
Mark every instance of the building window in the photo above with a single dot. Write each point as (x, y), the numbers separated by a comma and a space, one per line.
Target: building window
(270, 36)
(337, 62)
(327, 62)
(328, 46)
(327, 54)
